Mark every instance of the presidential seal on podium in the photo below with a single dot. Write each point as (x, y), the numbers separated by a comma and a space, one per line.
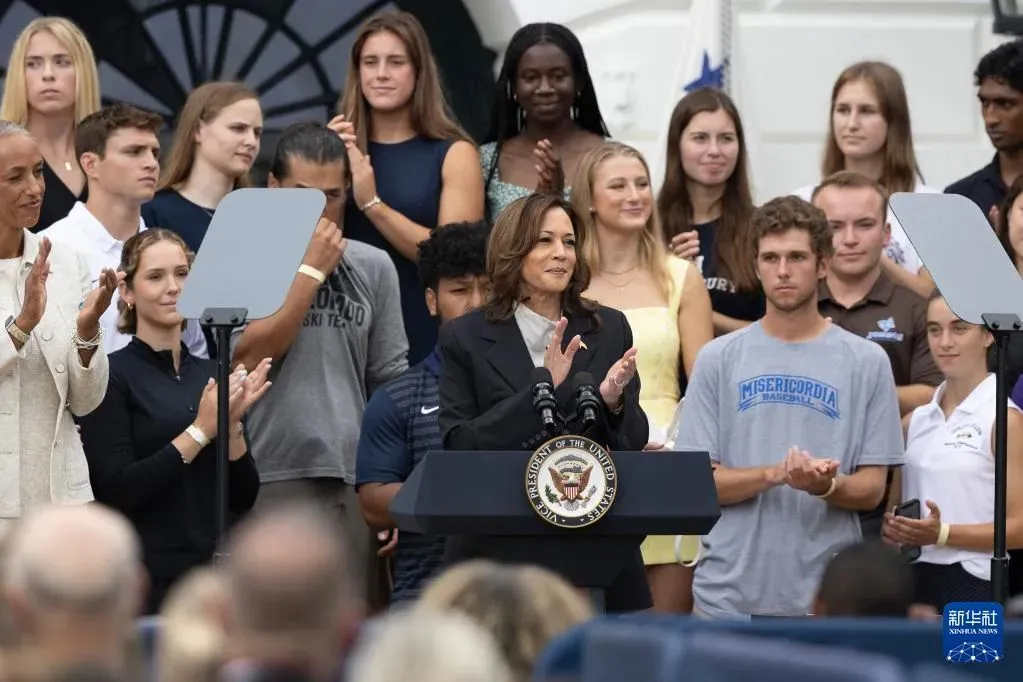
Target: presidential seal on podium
(571, 481)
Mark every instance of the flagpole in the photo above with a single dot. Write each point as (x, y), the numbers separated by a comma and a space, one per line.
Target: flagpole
(726, 46)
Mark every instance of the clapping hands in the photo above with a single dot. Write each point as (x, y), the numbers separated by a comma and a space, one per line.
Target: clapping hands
(549, 169)
(247, 388)
(801, 471)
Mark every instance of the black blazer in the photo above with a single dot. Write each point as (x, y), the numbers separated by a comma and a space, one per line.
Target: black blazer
(486, 400)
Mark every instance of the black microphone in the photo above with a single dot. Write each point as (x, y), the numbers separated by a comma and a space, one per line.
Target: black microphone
(587, 400)
(544, 402)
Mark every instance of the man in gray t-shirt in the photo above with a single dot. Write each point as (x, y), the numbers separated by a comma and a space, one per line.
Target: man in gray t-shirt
(801, 421)
(337, 338)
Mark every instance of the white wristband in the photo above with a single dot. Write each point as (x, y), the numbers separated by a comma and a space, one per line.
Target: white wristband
(943, 534)
(310, 271)
(198, 436)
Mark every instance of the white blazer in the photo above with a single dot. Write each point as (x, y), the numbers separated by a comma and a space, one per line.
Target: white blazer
(80, 389)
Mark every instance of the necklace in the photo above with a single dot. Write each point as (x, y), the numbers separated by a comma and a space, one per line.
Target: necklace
(621, 272)
(624, 284)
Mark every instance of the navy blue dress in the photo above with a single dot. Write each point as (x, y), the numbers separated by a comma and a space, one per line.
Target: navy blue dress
(409, 180)
(171, 211)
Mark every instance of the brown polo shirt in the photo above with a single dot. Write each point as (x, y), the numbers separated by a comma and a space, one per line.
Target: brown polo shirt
(894, 317)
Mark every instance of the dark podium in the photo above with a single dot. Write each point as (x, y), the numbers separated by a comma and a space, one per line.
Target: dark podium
(483, 495)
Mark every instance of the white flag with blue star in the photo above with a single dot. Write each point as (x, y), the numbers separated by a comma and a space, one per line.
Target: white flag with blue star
(703, 62)
(705, 54)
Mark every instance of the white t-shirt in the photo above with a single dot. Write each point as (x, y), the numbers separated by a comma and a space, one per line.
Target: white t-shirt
(82, 231)
(899, 248)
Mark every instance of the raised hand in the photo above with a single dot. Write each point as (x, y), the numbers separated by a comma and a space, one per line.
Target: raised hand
(255, 386)
(559, 361)
(97, 302)
(35, 290)
(344, 128)
(549, 169)
(364, 184)
(618, 377)
(686, 245)
(326, 247)
(206, 414)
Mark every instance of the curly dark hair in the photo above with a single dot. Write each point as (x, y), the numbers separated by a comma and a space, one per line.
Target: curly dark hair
(453, 250)
(1004, 63)
(781, 214)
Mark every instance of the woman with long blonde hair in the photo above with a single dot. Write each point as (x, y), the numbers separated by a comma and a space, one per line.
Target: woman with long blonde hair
(869, 131)
(51, 85)
(663, 297)
(215, 143)
(413, 167)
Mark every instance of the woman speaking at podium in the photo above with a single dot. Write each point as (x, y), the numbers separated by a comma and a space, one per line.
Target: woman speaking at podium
(534, 317)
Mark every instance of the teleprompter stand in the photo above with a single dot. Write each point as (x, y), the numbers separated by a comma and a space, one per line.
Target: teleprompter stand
(1001, 326)
(222, 322)
(243, 272)
(981, 285)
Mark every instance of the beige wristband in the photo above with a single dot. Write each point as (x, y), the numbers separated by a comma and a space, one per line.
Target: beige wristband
(310, 271)
(943, 534)
(198, 436)
(831, 490)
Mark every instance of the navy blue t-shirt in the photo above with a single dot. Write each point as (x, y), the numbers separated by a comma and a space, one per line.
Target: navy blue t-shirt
(409, 180)
(398, 428)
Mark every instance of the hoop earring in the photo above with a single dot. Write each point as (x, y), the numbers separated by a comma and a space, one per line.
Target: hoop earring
(575, 112)
(521, 116)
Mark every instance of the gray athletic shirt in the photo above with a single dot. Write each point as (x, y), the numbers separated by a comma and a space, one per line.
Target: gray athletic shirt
(751, 397)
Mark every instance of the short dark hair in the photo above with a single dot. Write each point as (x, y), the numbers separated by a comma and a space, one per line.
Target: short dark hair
(867, 579)
(1004, 63)
(94, 131)
(781, 214)
(313, 142)
(453, 250)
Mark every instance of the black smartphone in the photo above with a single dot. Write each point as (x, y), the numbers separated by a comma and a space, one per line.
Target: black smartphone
(910, 509)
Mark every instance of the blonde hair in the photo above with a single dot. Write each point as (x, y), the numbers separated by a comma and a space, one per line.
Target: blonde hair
(192, 642)
(652, 253)
(14, 105)
(131, 256)
(435, 647)
(202, 106)
(522, 607)
(900, 167)
(429, 111)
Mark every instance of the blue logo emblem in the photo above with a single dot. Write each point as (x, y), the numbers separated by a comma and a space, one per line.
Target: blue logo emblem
(789, 390)
(972, 632)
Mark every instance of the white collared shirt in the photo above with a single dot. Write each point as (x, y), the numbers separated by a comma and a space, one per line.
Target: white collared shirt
(950, 461)
(537, 331)
(86, 234)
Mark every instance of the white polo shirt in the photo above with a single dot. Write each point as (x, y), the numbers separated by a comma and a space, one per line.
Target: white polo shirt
(81, 230)
(951, 462)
